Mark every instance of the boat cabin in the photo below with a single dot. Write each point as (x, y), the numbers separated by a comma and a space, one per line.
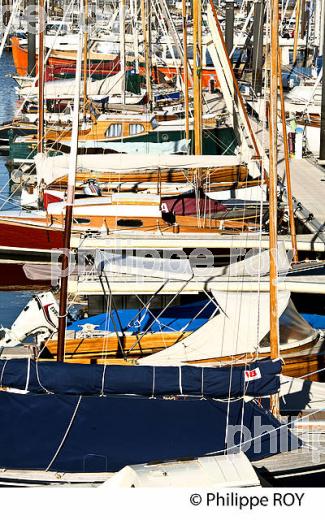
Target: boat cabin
(109, 127)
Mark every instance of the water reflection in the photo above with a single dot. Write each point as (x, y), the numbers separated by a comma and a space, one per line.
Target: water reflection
(10, 302)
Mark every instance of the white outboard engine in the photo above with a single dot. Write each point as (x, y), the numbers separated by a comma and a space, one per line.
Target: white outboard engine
(39, 318)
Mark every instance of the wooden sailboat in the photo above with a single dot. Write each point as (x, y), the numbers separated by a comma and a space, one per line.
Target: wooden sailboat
(102, 405)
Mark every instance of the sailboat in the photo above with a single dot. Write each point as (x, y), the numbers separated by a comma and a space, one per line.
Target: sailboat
(78, 418)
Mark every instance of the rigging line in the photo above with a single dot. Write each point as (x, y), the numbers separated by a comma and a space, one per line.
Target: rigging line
(150, 300)
(14, 10)
(38, 379)
(259, 280)
(13, 202)
(231, 365)
(162, 24)
(166, 307)
(211, 300)
(241, 295)
(159, 324)
(66, 433)
(148, 311)
(106, 328)
(113, 321)
(311, 374)
(10, 196)
(243, 30)
(26, 98)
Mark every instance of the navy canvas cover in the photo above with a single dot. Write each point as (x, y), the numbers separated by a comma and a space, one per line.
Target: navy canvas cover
(256, 379)
(95, 434)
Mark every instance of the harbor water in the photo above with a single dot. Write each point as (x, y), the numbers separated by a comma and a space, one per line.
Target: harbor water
(10, 302)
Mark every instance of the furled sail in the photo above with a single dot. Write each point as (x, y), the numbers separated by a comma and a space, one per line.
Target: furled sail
(155, 266)
(64, 88)
(51, 168)
(256, 379)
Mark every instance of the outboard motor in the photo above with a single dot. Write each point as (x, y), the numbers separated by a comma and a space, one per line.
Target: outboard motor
(39, 318)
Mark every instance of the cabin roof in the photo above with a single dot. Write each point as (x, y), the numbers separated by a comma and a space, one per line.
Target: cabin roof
(127, 117)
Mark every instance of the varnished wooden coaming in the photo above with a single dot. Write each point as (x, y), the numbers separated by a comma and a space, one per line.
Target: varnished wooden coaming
(136, 344)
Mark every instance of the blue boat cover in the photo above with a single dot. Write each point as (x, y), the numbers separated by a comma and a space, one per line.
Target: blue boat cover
(256, 379)
(135, 320)
(96, 434)
(317, 321)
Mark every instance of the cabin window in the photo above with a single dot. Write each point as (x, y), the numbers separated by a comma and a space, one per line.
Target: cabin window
(136, 129)
(130, 223)
(114, 130)
(154, 123)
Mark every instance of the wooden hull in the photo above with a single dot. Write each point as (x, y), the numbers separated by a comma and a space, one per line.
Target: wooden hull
(21, 234)
(305, 360)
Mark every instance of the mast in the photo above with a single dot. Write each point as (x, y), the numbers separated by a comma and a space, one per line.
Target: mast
(69, 202)
(197, 72)
(296, 35)
(134, 17)
(322, 117)
(274, 75)
(146, 21)
(122, 47)
(287, 167)
(258, 31)
(85, 58)
(229, 29)
(185, 68)
(31, 45)
(41, 31)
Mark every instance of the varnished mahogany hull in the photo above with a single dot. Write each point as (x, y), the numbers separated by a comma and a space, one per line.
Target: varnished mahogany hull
(46, 234)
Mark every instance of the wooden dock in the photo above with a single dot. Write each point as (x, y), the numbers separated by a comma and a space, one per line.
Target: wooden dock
(304, 466)
(308, 182)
